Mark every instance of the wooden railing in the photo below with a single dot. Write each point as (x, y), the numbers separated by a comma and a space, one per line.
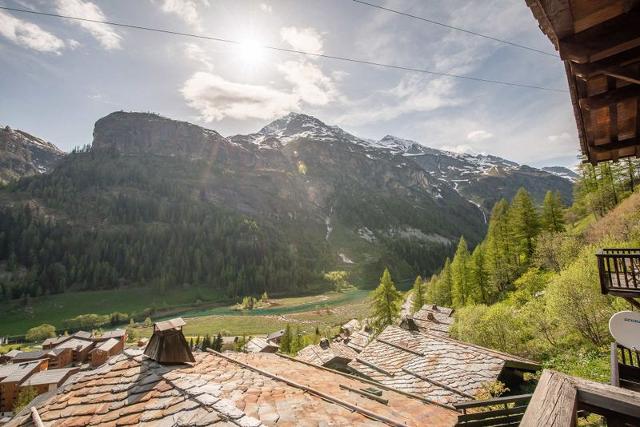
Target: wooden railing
(619, 271)
(625, 367)
(501, 411)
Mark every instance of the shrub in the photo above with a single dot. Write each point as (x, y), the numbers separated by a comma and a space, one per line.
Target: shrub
(41, 333)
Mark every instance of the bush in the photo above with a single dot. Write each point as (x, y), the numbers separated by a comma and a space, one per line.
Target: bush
(41, 333)
(87, 321)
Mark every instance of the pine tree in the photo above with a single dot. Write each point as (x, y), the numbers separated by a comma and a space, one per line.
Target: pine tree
(217, 343)
(386, 300)
(442, 286)
(285, 340)
(552, 218)
(525, 222)
(481, 287)
(418, 294)
(461, 292)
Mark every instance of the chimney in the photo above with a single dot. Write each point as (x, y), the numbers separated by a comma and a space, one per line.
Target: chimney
(324, 343)
(409, 324)
(431, 317)
(167, 344)
(434, 307)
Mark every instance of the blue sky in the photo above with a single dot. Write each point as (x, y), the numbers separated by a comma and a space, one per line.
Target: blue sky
(57, 77)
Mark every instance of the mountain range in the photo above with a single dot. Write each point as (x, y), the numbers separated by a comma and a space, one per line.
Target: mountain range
(166, 201)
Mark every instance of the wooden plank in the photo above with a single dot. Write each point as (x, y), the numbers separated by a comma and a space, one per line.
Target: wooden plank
(508, 419)
(493, 413)
(615, 376)
(497, 401)
(554, 402)
(602, 13)
(614, 399)
(610, 97)
(607, 39)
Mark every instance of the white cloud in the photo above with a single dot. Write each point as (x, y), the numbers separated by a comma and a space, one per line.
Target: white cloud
(459, 149)
(310, 84)
(216, 98)
(195, 53)
(562, 138)
(187, 10)
(304, 39)
(73, 44)
(411, 95)
(266, 7)
(106, 36)
(479, 135)
(29, 35)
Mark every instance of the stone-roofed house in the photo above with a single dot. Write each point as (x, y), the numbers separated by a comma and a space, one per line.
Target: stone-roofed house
(58, 357)
(436, 367)
(49, 380)
(334, 355)
(275, 337)
(260, 345)
(350, 327)
(79, 346)
(11, 376)
(104, 350)
(85, 335)
(53, 342)
(6, 357)
(227, 389)
(358, 340)
(432, 318)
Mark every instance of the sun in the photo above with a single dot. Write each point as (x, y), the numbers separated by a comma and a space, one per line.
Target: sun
(250, 51)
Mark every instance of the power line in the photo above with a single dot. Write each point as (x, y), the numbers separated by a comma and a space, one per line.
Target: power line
(451, 27)
(287, 50)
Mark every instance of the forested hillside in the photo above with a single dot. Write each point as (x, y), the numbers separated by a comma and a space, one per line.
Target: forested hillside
(532, 287)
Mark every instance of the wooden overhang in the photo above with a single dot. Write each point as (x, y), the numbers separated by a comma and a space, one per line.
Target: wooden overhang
(599, 42)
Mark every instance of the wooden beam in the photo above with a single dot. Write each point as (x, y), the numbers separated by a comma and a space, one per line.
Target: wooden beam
(603, 148)
(610, 97)
(609, 38)
(615, 375)
(623, 59)
(553, 404)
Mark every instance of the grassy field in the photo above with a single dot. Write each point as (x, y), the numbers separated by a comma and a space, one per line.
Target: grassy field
(207, 311)
(337, 311)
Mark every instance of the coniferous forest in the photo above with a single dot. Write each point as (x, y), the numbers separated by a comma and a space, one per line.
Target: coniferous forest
(531, 287)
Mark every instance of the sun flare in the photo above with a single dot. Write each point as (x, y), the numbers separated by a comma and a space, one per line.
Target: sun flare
(250, 51)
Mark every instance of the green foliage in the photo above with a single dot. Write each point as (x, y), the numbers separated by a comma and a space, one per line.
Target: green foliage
(385, 304)
(461, 283)
(217, 342)
(524, 222)
(148, 322)
(40, 333)
(25, 396)
(286, 340)
(132, 333)
(248, 303)
(87, 321)
(418, 294)
(339, 279)
(552, 218)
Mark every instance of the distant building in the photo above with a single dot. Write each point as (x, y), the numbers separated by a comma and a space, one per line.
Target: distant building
(6, 357)
(433, 318)
(52, 342)
(80, 347)
(334, 355)
(49, 380)
(275, 337)
(58, 357)
(350, 327)
(260, 345)
(11, 376)
(104, 350)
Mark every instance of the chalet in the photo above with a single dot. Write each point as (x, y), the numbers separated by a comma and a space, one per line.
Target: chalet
(8, 356)
(358, 340)
(350, 327)
(52, 342)
(82, 335)
(260, 345)
(118, 334)
(14, 374)
(58, 357)
(49, 380)
(104, 350)
(334, 355)
(436, 367)
(80, 348)
(275, 337)
(435, 319)
(247, 389)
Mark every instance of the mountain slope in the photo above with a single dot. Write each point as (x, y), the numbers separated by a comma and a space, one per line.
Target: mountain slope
(167, 202)
(22, 154)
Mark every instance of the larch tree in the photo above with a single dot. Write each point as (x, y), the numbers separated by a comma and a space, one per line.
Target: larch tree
(386, 300)
(480, 276)
(461, 292)
(442, 288)
(552, 218)
(525, 222)
(501, 263)
(418, 294)
(286, 340)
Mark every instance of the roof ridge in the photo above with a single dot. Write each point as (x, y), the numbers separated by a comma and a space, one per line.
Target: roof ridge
(438, 383)
(343, 403)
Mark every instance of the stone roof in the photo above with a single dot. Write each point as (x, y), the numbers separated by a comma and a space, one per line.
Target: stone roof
(16, 372)
(56, 340)
(74, 343)
(275, 335)
(258, 345)
(53, 376)
(107, 345)
(358, 340)
(432, 365)
(82, 334)
(116, 333)
(12, 353)
(322, 355)
(433, 318)
(226, 389)
(351, 326)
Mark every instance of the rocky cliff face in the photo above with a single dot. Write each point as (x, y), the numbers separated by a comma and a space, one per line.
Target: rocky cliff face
(22, 154)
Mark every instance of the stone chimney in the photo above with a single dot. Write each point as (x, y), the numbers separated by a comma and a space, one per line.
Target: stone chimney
(167, 344)
(324, 343)
(409, 324)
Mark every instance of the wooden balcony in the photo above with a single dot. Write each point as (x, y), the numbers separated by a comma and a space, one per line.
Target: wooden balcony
(501, 411)
(625, 367)
(620, 273)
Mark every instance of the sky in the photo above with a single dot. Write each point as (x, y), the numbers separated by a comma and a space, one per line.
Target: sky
(57, 77)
